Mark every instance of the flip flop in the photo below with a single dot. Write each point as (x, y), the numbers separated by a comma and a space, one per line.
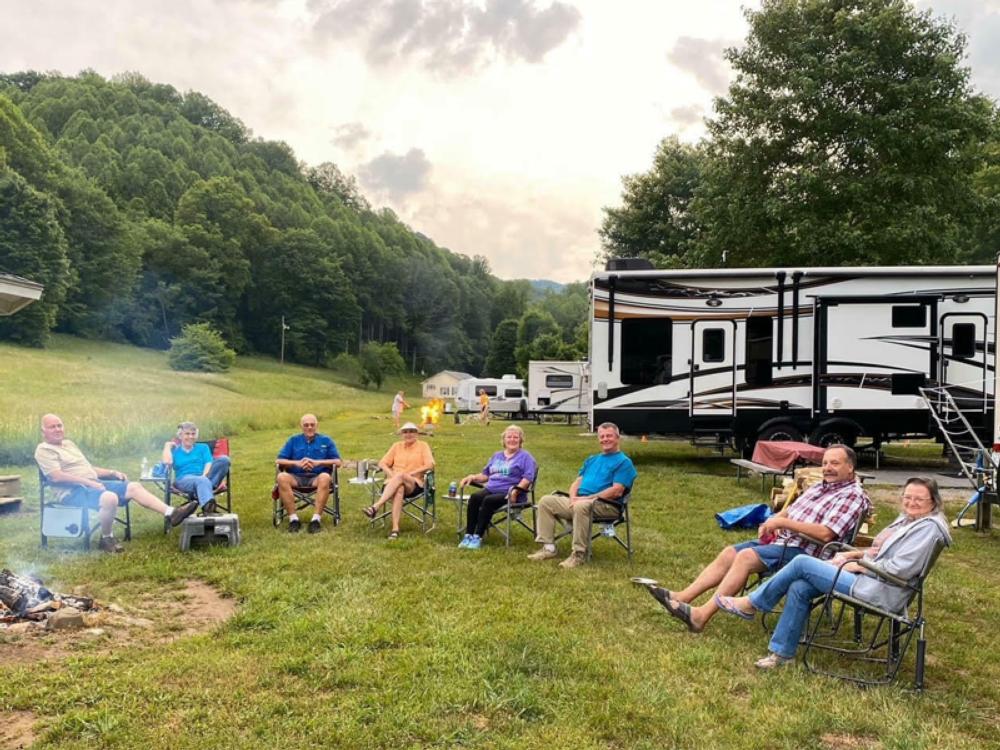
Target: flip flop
(661, 595)
(369, 511)
(682, 612)
(725, 603)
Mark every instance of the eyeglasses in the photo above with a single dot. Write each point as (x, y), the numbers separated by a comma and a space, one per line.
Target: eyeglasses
(916, 499)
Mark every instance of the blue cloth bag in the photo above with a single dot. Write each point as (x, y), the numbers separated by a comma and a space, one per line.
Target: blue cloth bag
(744, 517)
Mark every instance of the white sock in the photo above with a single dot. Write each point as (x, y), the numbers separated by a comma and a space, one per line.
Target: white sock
(549, 548)
(168, 512)
(316, 518)
(293, 517)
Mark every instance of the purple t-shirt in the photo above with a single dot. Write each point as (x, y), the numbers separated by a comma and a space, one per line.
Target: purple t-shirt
(504, 472)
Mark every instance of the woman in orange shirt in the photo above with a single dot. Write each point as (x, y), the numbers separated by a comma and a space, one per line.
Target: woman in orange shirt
(405, 465)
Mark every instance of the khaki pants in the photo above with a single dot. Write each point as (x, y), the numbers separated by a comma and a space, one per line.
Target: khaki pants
(552, 507)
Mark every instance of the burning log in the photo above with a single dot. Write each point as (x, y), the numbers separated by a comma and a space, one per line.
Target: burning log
(430, 414)
(26, 598)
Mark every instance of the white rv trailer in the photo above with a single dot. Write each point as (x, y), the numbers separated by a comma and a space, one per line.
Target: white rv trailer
(558, 387)
(825, 354)
(507, 395)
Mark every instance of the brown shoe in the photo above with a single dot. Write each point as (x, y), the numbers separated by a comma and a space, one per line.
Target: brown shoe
(575, 560)
(109, 544)
(543, 554)
(182, 512)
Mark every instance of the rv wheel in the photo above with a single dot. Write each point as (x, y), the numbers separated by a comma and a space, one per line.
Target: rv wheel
(781, 431)
(832, 435)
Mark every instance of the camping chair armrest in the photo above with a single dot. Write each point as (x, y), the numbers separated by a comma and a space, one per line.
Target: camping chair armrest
(523, 493)
(879, 572)
(834, 546)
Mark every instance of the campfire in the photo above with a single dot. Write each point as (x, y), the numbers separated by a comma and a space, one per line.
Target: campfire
(25, 599)
(430, 414)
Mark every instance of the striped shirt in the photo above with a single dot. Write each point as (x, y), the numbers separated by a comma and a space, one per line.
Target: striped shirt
(837, 505)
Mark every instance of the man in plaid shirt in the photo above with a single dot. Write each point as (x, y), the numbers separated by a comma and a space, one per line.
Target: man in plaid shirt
(826, 511)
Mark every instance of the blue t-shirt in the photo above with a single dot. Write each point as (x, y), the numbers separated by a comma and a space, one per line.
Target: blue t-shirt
(321, 448)
(191, 463)
(603, 470)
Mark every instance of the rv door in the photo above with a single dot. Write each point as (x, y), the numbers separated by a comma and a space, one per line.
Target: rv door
(712, 368)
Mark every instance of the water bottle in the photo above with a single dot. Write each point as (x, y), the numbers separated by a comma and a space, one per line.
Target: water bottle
(452, 489)
(144, 471)
(608, 531)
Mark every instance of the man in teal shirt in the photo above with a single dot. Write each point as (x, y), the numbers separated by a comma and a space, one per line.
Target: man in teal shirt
(604, 477)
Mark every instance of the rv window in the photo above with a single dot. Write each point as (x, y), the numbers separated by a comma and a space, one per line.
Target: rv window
(760, 351)
(713, 345)
(513, 393)
(647, 345)
(491, 390)
(558, 381)
(909, 316)
(963, 340)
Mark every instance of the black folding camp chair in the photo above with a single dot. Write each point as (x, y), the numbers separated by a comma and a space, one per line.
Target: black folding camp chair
(508, 516)
(606, 526)
(878, 639)
(305, 497)
(62, 520)
(419, 506)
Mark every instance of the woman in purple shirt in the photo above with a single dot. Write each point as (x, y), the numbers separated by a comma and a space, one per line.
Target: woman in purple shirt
(511, 470)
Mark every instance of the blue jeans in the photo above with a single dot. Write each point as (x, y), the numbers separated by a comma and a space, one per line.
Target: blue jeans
(802, 579)
(204, 486)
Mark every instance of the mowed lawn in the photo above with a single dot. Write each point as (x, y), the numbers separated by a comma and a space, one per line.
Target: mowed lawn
(346, 640)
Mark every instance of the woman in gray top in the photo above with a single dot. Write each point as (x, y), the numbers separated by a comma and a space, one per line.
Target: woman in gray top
(901, 549)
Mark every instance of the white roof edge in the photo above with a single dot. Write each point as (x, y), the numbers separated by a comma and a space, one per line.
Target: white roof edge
(983, 270)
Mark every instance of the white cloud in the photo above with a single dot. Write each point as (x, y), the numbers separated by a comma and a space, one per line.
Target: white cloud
(447, 36)
(703, 58)
(396, 175)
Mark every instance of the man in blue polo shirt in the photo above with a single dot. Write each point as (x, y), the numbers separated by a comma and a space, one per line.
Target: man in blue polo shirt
(605, 476)
(306, 460)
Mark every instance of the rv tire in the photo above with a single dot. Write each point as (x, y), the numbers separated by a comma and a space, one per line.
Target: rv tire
(781, 431)
(833, 434)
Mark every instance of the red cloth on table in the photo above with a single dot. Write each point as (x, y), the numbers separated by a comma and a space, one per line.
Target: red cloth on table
(783, 454)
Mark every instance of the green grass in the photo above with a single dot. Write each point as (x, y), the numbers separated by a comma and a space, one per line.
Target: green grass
(345, 640)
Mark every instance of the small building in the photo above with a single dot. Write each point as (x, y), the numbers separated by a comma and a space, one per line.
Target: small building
(16, 293)
(444, 384)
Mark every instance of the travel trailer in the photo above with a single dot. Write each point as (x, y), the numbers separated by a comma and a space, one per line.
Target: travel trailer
(507, 395)
(558, 387)
(823, 354)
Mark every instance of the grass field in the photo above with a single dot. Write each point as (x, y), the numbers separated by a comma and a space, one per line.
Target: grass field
(346, 640)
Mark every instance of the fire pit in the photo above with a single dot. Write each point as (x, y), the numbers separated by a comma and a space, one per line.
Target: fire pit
(25, 599)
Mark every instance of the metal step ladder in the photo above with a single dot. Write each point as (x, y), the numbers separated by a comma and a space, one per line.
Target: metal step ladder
(972, 456)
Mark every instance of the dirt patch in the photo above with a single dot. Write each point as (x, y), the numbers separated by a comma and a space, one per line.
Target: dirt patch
(16, 730)
(849, 742)
(157, 617)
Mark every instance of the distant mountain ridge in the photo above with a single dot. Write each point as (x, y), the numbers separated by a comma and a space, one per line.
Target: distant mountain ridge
(543, 285)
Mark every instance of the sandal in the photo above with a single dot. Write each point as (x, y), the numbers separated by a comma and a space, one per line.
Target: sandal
(393, 535)
(370, 512)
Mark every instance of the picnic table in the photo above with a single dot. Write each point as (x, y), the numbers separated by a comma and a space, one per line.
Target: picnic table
(786, 454)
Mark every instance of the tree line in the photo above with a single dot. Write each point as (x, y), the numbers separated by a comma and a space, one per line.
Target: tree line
(142, 209)
(849, 135)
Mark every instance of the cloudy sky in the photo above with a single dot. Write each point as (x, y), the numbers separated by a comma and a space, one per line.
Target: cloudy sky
(496, 127)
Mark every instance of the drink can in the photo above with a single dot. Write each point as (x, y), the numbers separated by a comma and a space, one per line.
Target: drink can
(452, 489)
